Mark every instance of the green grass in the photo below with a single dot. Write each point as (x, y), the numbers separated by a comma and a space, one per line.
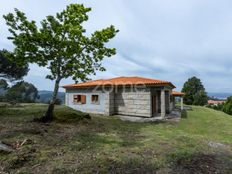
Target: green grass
(102, 144)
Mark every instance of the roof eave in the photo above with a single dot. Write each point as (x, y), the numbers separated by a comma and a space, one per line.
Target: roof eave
(107, 85)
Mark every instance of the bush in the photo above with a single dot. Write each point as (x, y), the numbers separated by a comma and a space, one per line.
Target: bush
(227, 107)
(218, 107)
(184, 114)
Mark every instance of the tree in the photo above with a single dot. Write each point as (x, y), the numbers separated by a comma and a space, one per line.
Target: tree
(22, 92)
(194, 92)
(200, 98)
(3, 84)
(3, 89)
(9, 69)
(227, 106)
(61, 45)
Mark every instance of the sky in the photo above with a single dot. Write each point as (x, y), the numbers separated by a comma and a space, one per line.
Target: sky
(170, 40)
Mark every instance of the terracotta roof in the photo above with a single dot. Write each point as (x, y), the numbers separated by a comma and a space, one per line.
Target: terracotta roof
(177, 93)
(121, 81)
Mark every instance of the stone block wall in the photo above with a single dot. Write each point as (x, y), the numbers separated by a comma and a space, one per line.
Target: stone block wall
(131, 102)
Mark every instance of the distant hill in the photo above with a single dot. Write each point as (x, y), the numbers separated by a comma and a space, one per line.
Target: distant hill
(219, 95)
(45, 96)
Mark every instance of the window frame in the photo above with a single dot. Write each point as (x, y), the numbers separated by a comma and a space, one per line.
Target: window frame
(81, 99)
(95, 102)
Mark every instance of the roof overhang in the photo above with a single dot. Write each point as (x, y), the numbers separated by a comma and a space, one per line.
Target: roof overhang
(117, 85)
(178, 94)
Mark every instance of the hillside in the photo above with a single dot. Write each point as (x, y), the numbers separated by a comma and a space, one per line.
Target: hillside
(201, 143)
(45, 96)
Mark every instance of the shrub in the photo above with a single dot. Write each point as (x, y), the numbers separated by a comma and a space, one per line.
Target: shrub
(218, 107)
(184, 114)
(227, 107)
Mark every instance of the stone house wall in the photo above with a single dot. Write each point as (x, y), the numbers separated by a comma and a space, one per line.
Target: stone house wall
(123, 101)
(136, 102)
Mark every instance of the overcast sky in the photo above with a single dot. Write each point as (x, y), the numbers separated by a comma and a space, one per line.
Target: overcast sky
(162, 39)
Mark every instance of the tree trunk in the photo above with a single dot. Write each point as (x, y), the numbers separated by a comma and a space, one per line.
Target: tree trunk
(48, 117)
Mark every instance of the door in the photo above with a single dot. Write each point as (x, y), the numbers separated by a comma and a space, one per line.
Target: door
(154, 109)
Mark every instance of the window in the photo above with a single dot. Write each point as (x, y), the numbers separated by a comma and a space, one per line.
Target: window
(79, 99)
(95, 99)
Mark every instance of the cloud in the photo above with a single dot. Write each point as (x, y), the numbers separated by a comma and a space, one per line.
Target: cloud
(170, 40)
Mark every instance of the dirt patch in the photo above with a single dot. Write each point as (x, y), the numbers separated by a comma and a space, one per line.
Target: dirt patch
(132, 167)
(22, 159)
(203, 164)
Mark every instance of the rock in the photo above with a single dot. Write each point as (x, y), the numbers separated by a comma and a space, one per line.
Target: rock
(216, 145)
(5, 148)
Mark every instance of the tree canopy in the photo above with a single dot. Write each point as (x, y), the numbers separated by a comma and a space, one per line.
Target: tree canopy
(227, 106)
(9, 69)
(195, 93)
(22, 92)
(3, 89)
(61, 44)
(3, 84)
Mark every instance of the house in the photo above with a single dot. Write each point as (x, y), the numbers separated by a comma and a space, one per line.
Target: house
(215, 102)
(133, 96)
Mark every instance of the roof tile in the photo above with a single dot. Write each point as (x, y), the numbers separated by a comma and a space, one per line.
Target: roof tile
(120, 81)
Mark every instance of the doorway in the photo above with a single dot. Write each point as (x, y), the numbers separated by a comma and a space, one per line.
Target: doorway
(154, 109)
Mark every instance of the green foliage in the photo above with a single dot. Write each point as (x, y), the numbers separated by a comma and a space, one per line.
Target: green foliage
(3, 84)
(218, 107)
(227, 107)
(9, 69)
(60, 44)
(22, 92)
(3, 89)
(179, 156)
(194, 92)
(184, 114)
(200, 98)
(70, 116)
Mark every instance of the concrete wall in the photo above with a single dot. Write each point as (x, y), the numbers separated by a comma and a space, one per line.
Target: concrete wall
(133, 102)
(88, 107)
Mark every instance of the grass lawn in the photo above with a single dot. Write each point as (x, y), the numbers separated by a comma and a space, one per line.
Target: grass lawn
(201, 143)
